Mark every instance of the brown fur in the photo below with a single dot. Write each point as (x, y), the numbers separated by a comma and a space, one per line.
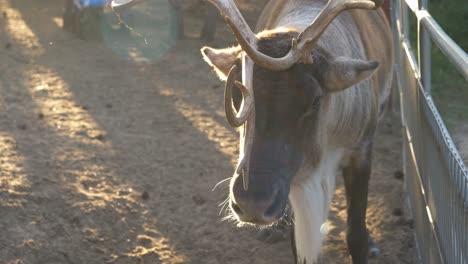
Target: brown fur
(377, 43)
(331, 104)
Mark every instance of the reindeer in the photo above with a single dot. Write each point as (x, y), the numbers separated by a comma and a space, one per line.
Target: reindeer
(312, 84)
(209, 19)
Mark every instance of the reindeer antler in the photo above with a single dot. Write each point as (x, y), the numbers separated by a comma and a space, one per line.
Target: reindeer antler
(236, 119)
(300, 48)
(301, 52)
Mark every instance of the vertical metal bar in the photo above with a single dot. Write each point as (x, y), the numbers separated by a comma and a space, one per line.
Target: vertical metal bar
(393, 22)
(465, 225)
(465, 238)
(424, 51)
(398, 35)
(405, 19)
(396, 44)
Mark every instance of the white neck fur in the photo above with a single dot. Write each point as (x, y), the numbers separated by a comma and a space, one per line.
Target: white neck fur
(310, 200)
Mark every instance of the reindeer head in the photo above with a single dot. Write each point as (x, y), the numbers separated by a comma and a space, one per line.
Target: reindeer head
(284, 79)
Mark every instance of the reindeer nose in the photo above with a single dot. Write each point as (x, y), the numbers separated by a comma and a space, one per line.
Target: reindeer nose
(257, 206)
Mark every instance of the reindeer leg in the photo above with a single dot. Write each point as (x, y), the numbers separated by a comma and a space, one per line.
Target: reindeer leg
(209, 23)
(179, 14)
(356, 177)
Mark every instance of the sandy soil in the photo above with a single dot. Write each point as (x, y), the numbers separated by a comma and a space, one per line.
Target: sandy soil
(106, 160)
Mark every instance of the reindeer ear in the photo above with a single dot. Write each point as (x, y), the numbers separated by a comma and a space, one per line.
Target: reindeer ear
(221, 60)
(342, 73)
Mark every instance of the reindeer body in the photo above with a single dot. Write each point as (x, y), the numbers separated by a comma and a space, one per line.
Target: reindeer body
(351, 115)
(340, 131)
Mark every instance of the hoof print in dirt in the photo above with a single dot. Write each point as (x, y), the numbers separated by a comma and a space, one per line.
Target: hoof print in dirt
(8, 45)
(198, 199)
(99, 137)
(397, 212)
(398, 175)
(75, 221)
(145, 195)
(145, 241)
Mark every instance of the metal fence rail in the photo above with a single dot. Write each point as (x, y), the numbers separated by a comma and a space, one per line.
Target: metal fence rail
(436, 179)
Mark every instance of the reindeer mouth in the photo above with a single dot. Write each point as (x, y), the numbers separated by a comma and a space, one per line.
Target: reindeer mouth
(256, 206)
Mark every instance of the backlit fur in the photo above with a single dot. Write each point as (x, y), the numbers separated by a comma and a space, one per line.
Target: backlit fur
(344, 116)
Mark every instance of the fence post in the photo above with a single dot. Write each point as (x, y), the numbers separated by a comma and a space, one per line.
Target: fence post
(395, 92)
(424, 50)
(404, 18)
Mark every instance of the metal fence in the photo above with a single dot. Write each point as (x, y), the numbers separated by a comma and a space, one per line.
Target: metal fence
(436, 179)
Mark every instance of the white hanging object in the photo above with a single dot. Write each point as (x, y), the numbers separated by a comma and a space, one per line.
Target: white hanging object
(121, 5)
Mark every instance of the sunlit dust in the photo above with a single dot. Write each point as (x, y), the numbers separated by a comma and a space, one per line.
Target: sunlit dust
(95, 184)
(77, 150)
(136, 55)
(158, 246)
(13, 179)
(225, 139)
(21, 33)
(54, 98)
(58, 21)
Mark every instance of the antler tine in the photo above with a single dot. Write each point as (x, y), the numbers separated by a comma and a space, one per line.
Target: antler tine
(243, 117)
(300, 48)
(235, 118)
(312, 33)
(246, 37)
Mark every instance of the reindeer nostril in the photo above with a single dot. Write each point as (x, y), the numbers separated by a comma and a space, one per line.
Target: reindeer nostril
(236, 209)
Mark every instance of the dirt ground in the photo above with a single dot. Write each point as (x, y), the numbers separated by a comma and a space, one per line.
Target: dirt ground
(112, 160)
